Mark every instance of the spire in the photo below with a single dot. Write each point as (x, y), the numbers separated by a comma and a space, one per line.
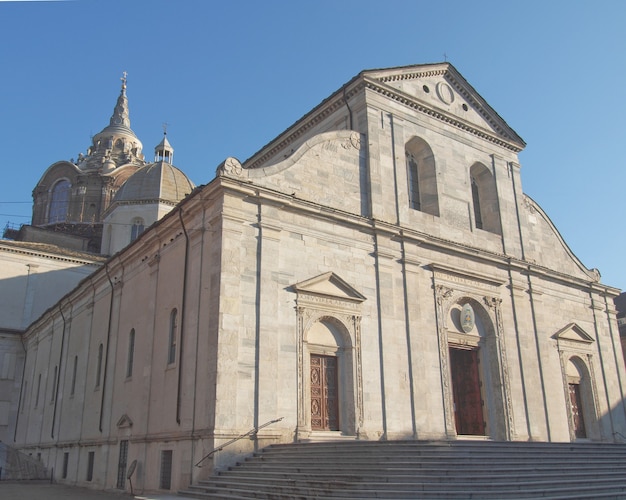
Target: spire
(116, 144)
(121, 116)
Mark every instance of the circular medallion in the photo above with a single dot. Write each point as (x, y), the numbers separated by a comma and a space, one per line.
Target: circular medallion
(444, 92)
(467, 318)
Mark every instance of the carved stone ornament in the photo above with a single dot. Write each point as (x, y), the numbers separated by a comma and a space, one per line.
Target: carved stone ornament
(442, 293)
(232, 166)
(467, 318)
(528, 204)
(444, 92)
(353, 142)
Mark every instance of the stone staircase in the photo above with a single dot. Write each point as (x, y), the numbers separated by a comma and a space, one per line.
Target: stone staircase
(15, 465)
(425, 470)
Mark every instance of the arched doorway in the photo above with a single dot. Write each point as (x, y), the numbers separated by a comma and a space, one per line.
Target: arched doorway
(575, 348)
(579, 392)
(324, 344)
(474, 374)
(329, 388)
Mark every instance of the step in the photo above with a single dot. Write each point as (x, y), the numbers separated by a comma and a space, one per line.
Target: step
(366, 481)
(500, 494)
(411, 469)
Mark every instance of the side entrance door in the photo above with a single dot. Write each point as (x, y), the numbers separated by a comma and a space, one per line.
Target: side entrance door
(324, 393)
(468, 403)
(577, 410)
(121, 464)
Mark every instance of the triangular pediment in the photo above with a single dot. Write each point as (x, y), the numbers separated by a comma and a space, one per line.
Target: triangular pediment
(440, 91)
(124, 421)
(573, 333)
(329, 285)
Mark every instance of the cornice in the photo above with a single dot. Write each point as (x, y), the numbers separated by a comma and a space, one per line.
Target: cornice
(412, 75)
(307, 122)
(42, 254)
(405, 99)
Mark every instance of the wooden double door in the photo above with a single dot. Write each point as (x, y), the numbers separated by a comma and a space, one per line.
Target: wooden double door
(466, 392)
(577, 410)
(324, 393)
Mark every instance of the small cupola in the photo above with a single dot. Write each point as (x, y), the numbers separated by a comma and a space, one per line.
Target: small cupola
(164, 151)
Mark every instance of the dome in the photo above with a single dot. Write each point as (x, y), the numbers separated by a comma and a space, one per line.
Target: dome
(158, 181)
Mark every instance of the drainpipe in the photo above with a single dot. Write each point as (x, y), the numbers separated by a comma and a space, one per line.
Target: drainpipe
(345, 98)
(56, 389)
(182, 317)
(20, 402)
(106, 351)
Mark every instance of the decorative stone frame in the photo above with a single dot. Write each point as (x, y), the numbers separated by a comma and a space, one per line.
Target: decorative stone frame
(575, 345)
(329, 299)
(488, 309)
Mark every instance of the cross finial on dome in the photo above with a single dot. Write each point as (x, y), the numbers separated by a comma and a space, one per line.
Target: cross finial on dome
(124, 78)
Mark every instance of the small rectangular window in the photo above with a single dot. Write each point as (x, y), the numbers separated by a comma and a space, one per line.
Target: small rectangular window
(131, 353)
(90, 460)
(171, 352)
(38, 390)
(73, 389)
(99, 366)
(66, 459)
(166, 470)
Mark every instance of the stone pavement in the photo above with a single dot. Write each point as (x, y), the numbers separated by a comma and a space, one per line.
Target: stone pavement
(44, 490)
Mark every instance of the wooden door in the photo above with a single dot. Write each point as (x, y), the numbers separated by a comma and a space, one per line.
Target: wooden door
(468, 403)
(324, 393)
(577, 410)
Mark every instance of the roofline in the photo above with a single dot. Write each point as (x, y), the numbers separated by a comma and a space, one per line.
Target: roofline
(370, 78)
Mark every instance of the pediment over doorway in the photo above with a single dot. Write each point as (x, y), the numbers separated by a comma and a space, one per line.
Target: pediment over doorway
(573, 333)
(329, 286)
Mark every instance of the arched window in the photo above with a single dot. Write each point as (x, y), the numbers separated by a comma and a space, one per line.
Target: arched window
(421, 176)
(59, 202)
(478, 217)
(484, 199)
(171, 351)
(131, 353)
(136, 229)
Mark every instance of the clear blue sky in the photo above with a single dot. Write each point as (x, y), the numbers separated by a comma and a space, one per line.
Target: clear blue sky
(228, 76)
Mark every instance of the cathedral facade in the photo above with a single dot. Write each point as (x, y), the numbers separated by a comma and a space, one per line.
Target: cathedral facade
(375, 272)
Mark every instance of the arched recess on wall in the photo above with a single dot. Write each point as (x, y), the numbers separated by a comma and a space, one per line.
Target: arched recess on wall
(485, 205)
(421, 176)
(330, 363)
(477, 345)
(330, 387)
(575, 348)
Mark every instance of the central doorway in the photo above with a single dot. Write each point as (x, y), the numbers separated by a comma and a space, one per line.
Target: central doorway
(324, 393)
(466, 392)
